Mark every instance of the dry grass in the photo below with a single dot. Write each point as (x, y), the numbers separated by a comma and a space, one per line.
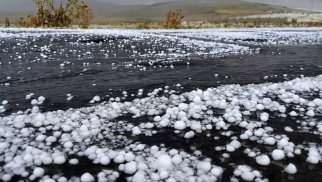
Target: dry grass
(64, 15)
(173, 19)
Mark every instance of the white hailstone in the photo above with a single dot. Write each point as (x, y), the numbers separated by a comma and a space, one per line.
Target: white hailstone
(269, 141)
(51, 139)
(312, 159)
(34, 102)
(6, 177)
(267, 101)
(282, 109)
(164, 161)
(155, 176)
(4, 102)
(236, 144)
(259, 132)
(73, 161)
(164, 122)
(231, 119)
(293, 114)
(59, 159)
(96, 98)
(197, 99)
(142, 166)
(87, 177)
(263, 160)
(243, 136)
(139, 177)
(243, 124)
(183, 106)
(195, 125)
(310, 113)
(104, 160)
(264, 116)
(177, 159)
(38, 120)
(164, 174)
(28, 157)
(221, 124)
(290, 169)
(29, 96)
(140, 147)
(66, 128)
(19, 124)
(46, 160)
(230, 148)
(129, 157)
(119, 159)
(149, 125)
(248, 176)
(50, 180)
(38, 172)
(171, 180)
(260, 107)
(204, 166)
(136, 131)
(288, 129)
(297, 152)
(41, 138)
(157, 119)
(130, 167)
(283, 142)
(180, 125)
(278, 154)
(41, 99)
(2, 109)
(189, 134)
(217, 171)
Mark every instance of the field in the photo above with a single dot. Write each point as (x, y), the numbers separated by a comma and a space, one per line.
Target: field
(161, 105)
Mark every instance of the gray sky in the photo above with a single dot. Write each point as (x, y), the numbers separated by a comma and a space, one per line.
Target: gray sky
(133, 2)
(27, 6)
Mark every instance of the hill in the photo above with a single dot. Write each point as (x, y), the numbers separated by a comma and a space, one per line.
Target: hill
(202, 9)
(105, 11)
(310, 5)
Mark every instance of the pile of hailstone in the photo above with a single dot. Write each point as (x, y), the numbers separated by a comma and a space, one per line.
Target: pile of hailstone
(31, 141)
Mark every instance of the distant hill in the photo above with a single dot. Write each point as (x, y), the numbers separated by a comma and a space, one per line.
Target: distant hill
(310, 5)
(105, 11)
(192, 9)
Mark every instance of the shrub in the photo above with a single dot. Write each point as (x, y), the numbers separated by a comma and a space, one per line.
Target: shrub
(7, 22)
(66, 14)
(173, 19)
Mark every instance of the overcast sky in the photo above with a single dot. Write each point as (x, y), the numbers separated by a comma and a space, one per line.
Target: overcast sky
(24, 5)
(134, 2)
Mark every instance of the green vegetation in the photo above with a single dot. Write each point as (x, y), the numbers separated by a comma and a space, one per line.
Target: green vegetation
(50, 15)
